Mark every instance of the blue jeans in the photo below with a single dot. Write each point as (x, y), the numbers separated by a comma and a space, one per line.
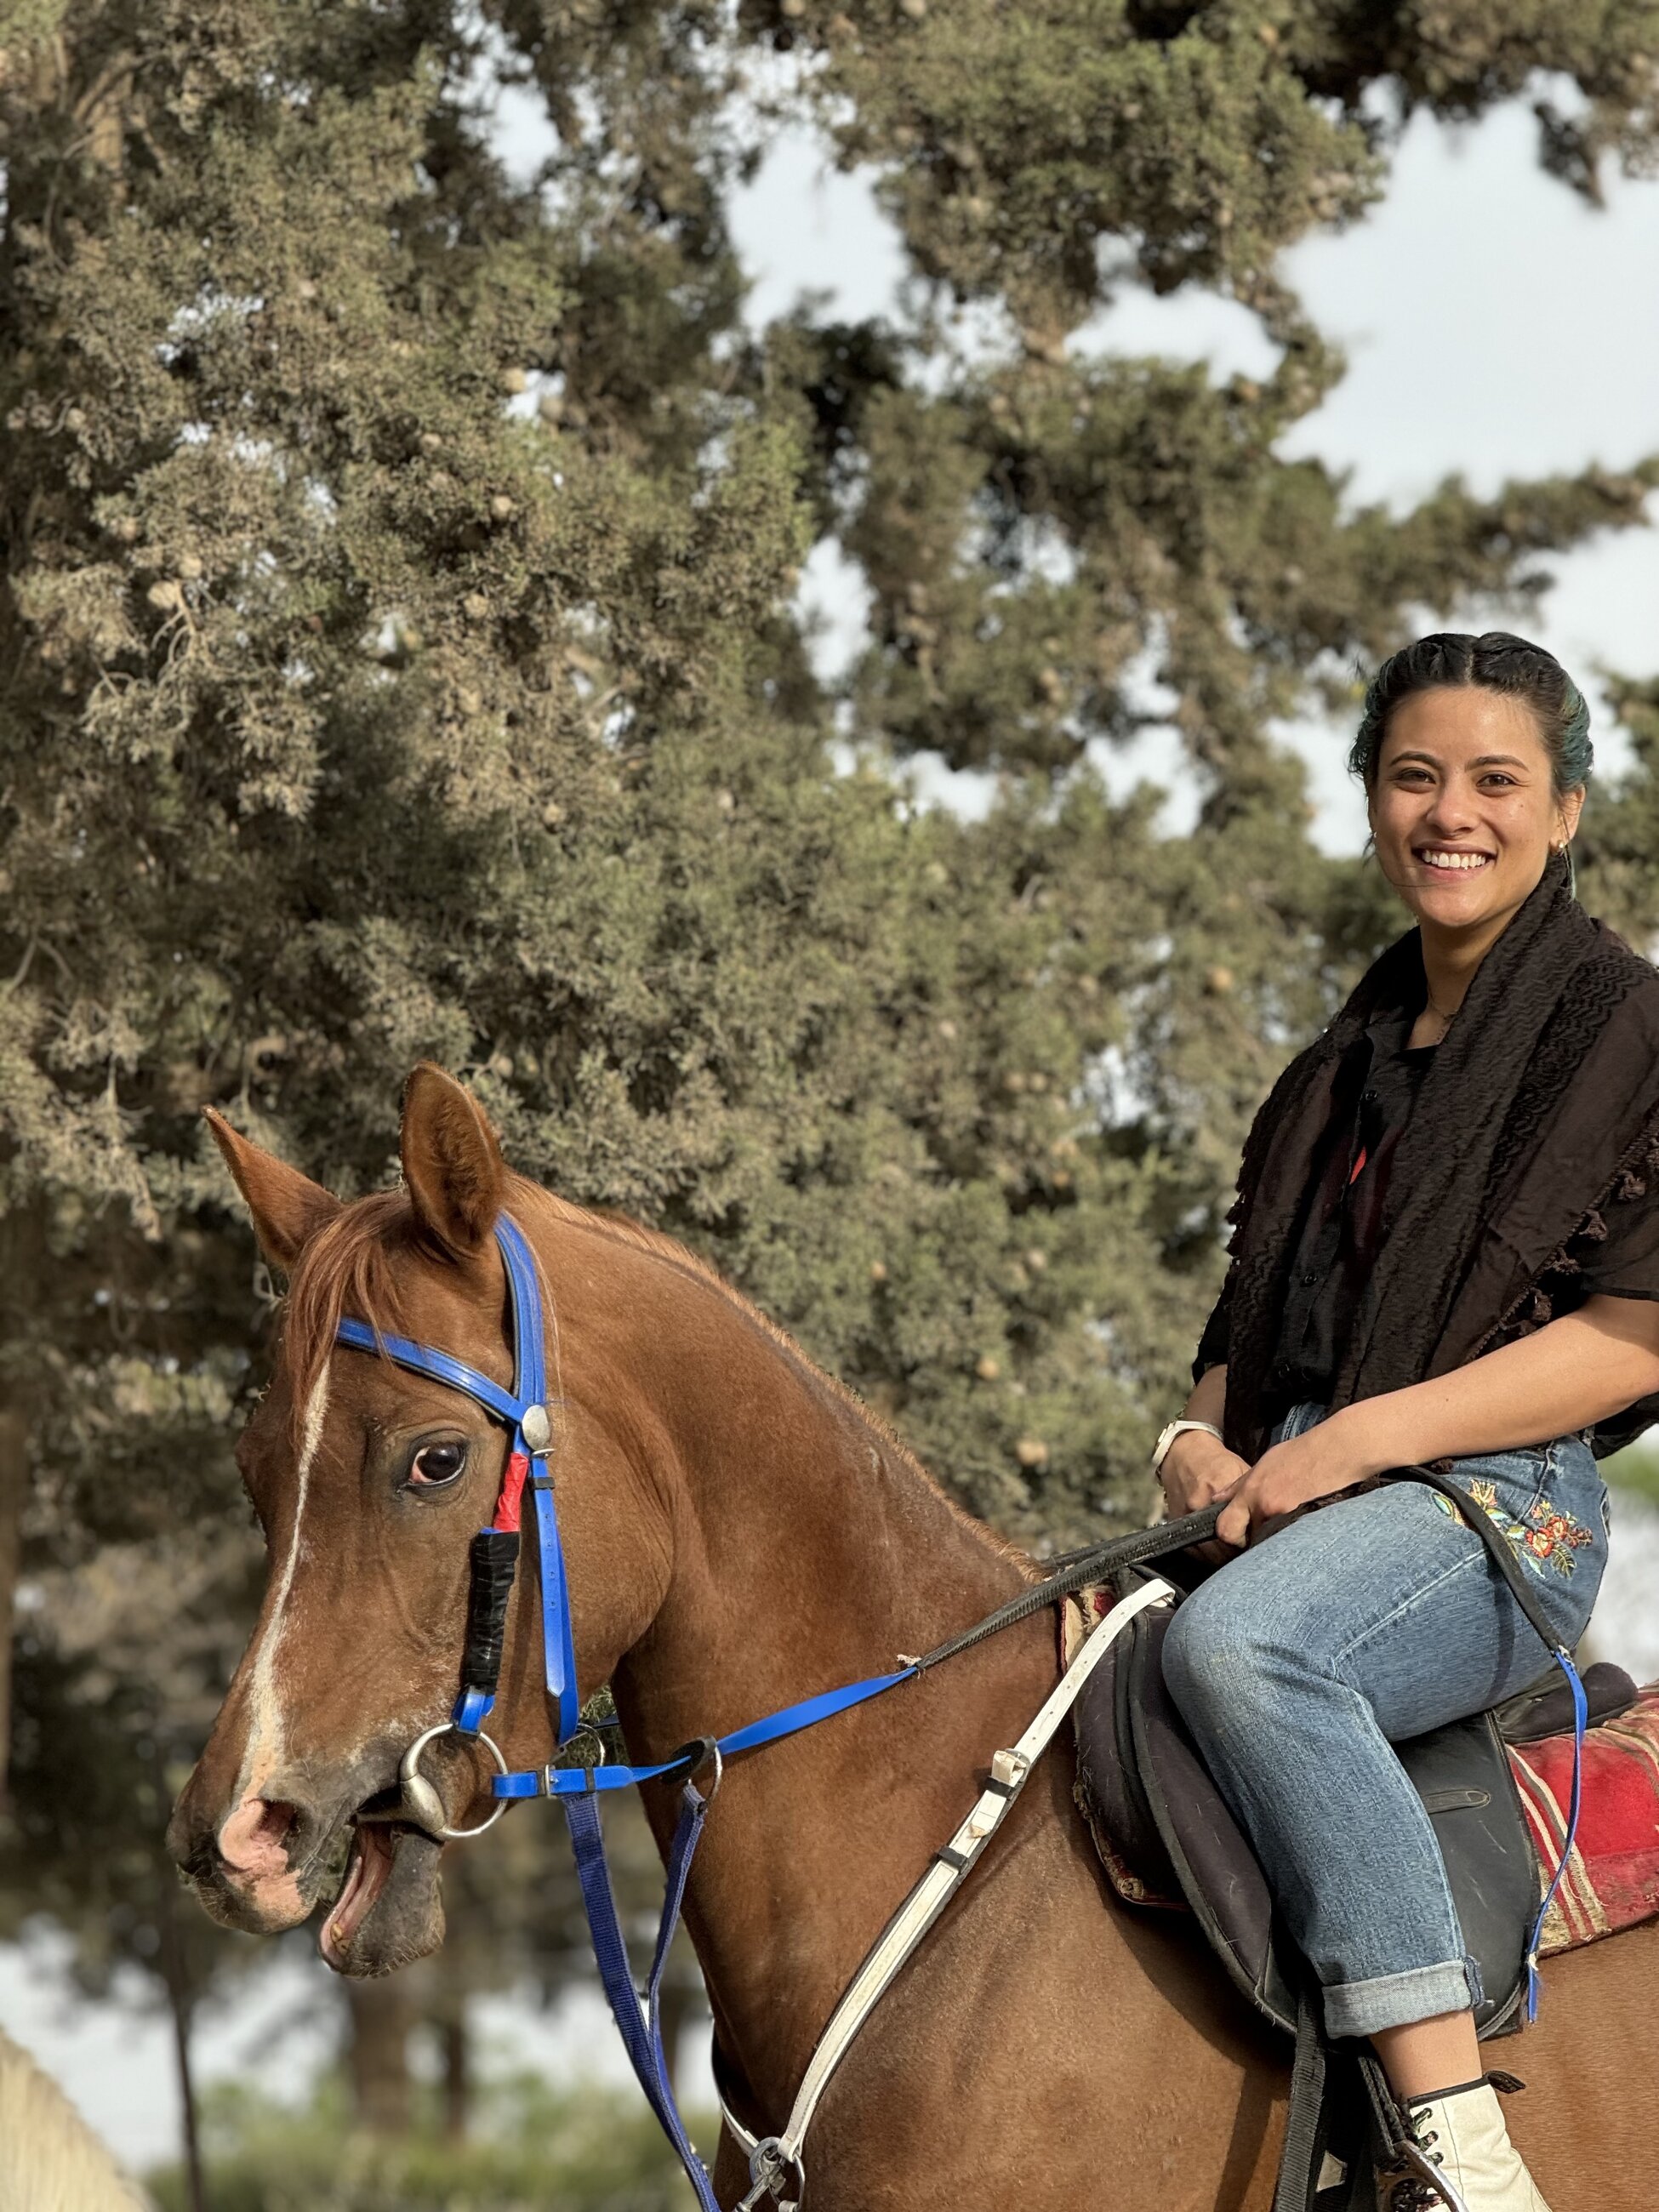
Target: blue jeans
(1301, 1662)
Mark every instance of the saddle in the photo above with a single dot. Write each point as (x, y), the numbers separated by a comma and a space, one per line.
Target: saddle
(1166, 1838)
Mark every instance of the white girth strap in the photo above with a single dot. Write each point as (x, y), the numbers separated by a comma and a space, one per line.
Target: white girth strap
(775, 2161)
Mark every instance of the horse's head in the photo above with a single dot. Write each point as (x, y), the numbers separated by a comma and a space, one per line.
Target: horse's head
(369, 1482)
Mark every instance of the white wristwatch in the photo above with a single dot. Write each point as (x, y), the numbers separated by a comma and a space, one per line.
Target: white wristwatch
(1173, 1430)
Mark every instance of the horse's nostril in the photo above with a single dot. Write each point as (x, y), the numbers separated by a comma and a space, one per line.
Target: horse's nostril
(255, 1840)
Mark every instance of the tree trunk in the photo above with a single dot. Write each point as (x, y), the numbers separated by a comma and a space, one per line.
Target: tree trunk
(14, 1481)
(454, 2042)
(681, 2001)
(181, 2006)
(377, 2057)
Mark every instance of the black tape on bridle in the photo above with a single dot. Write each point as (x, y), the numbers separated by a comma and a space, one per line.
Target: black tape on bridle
(494, 1560)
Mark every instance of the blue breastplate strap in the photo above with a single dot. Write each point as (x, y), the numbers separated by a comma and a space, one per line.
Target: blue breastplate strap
(523, 1410)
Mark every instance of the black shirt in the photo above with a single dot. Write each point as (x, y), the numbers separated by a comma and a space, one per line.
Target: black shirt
(1340, 1231)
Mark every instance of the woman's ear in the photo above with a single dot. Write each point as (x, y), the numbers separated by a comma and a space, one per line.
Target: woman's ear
(453, 1162)
(288, 1208)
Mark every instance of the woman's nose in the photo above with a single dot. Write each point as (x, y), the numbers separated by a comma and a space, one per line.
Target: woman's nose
(1452, 811)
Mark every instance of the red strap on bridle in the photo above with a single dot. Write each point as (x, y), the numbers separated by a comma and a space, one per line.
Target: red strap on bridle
(508, 1505)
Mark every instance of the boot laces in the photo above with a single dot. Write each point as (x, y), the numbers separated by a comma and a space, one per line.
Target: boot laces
(1411, 2193)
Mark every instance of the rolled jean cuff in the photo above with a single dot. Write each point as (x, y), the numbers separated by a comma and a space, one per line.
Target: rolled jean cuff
(1397, 2000)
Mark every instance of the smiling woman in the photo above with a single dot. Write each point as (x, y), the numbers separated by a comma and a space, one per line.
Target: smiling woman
(1474, 752)
(1446, 1250)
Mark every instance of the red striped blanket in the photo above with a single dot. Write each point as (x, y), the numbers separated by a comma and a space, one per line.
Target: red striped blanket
(1612, 1880)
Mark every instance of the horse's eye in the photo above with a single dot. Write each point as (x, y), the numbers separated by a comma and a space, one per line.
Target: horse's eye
(436, 1464)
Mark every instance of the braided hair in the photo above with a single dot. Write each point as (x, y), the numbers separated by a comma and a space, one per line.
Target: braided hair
(1496, 662)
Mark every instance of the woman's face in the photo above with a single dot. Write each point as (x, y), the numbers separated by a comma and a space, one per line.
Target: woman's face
(1462, 808)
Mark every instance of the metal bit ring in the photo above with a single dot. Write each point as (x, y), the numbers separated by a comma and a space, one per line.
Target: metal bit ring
(420, 1798)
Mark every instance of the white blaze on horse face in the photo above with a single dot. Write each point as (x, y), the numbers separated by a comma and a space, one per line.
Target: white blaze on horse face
(244, 1841)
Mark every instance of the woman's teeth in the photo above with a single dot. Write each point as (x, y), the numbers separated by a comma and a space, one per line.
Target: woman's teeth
(1463, 860)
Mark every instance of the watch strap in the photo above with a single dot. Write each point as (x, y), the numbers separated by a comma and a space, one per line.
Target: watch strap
(1173, 1430)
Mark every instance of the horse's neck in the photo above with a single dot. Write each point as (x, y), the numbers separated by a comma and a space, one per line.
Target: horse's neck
(809, 1551)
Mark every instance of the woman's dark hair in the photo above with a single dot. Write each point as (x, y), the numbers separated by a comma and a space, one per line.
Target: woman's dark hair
(1496, 662)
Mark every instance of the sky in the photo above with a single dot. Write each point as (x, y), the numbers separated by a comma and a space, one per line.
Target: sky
(1495, 325)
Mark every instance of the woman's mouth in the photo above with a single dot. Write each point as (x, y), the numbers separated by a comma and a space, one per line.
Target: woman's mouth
(1451, 860)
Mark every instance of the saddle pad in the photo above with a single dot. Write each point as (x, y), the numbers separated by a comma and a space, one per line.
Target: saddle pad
(1612, 1880)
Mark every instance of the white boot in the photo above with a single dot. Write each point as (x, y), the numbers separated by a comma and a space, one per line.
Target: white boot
(1460, 2139)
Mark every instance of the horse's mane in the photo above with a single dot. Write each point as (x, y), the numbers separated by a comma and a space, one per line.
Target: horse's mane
(50, 2159)
(622, 1229)
(347, 1267)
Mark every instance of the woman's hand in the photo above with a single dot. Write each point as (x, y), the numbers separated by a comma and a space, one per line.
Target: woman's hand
(1198, 1469)
(1318, 1463)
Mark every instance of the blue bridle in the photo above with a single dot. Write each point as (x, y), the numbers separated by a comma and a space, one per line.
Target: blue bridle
(524, 1411)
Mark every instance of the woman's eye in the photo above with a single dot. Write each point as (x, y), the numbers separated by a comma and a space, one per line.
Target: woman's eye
(434, 1464)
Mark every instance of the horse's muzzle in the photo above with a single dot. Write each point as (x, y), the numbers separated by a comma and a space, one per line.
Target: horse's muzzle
(264, 1864)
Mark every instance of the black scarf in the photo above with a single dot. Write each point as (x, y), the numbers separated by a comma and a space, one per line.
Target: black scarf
(1542, 1106)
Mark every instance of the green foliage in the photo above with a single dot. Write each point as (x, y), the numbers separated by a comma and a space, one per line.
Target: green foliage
(1635, 1468)
(1044, 154)
(357, 714)
(1621, 842)
(583, 2149)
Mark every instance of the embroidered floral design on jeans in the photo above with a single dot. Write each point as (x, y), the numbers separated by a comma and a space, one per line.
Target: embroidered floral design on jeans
(1546, 1535)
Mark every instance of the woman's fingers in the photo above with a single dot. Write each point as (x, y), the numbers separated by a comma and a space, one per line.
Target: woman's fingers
(1227, 1487)
(1198, 1477)
(1234, 1525)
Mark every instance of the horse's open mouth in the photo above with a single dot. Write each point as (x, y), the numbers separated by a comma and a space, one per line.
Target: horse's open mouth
(390, 1908)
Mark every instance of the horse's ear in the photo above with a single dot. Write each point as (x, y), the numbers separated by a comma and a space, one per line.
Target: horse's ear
(453, 1162)
(287, 1208)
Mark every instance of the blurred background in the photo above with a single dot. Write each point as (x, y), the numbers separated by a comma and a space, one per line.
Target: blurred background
(785, 588)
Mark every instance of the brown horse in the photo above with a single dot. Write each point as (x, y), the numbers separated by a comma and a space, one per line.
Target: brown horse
(740, 1533)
